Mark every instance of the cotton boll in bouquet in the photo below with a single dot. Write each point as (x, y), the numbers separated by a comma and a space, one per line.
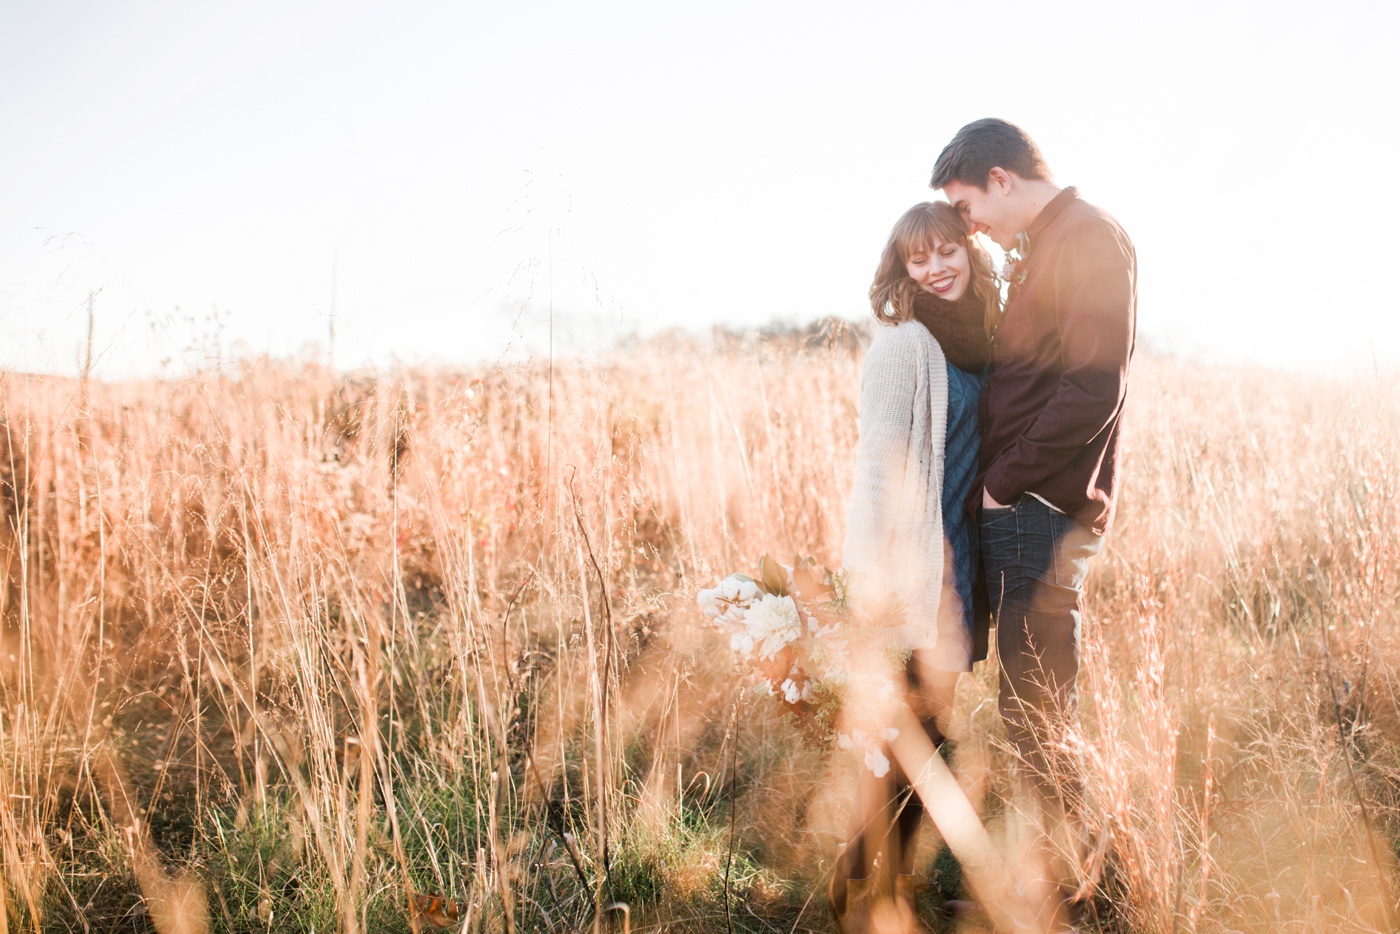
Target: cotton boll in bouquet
(793, 629)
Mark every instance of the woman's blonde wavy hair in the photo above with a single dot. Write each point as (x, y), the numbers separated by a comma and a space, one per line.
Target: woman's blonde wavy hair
(892, 293)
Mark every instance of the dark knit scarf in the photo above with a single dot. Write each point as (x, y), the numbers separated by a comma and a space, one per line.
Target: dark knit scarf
(959, 327)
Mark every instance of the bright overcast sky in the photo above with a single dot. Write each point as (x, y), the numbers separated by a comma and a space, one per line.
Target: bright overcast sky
(438, 173)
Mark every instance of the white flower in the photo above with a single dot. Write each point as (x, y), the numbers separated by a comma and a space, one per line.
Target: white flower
(791, 693)
(742, 643)
(727, 603)
(875, 759)
(828, 656)
(731, 619)
(737, 589)
(774, 622)
(709, 602)
(734, 592)
(876, 762)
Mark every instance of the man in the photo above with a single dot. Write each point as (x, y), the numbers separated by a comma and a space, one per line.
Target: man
(1050, 420)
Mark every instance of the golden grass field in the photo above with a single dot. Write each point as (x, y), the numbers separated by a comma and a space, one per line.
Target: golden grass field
(283, 649)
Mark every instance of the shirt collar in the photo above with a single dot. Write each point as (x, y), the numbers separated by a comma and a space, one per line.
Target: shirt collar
(1051, 211)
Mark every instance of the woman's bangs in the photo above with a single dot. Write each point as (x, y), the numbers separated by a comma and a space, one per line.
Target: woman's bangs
(923, 230)
(917, 239)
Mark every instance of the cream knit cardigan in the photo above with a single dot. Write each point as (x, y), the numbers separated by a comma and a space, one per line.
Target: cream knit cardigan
(894, 527)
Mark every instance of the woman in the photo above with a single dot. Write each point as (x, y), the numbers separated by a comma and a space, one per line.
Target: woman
(908, 532)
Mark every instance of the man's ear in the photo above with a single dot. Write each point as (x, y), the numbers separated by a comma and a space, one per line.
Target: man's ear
(1000, 178)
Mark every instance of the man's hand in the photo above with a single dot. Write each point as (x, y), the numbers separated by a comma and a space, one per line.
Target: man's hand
(988, 502)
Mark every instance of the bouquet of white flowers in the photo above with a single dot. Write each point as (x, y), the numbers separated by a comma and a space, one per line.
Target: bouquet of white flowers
(791, 626)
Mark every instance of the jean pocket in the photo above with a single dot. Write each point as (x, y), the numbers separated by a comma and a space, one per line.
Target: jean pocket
(997, 525)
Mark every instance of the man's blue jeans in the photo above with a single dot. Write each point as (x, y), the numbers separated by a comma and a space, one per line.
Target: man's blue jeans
(1035, 559)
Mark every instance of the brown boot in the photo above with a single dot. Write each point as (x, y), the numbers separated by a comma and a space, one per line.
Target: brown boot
(850, 901)
(893, 915)
(906, 893)
(861, 907)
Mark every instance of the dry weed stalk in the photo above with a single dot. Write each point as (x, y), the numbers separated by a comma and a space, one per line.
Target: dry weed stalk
(439, 641)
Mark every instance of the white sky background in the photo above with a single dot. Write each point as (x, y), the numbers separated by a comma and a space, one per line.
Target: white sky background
(673, 165)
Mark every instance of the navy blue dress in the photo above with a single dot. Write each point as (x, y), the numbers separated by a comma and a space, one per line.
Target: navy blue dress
(959, 471)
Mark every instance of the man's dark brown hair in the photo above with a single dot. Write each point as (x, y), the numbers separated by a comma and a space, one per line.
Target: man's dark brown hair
(984, 144)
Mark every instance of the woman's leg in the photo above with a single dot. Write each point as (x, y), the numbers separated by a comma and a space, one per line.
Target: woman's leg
(871, 831)
(886, 815)
(930, 696)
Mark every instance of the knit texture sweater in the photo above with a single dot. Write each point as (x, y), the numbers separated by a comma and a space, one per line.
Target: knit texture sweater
(894, 527)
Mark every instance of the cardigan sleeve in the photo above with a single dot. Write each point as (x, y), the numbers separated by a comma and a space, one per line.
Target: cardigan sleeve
(894, 548)
(886, 422)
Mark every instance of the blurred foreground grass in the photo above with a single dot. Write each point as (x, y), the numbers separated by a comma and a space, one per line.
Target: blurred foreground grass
(281, 649)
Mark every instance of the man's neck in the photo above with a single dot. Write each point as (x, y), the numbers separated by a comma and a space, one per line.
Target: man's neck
(1036, 194)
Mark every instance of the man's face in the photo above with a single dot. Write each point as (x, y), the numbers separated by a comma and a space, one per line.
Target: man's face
(987, 212)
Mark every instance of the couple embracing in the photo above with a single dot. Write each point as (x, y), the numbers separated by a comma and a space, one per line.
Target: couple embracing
(985, 480)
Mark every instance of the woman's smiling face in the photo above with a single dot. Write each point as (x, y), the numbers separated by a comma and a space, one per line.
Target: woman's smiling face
(942, 269)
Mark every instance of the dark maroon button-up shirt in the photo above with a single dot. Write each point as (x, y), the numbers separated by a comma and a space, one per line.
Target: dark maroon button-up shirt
(1051, 408)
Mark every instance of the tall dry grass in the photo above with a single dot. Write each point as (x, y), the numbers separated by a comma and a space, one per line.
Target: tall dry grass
(284, 650)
